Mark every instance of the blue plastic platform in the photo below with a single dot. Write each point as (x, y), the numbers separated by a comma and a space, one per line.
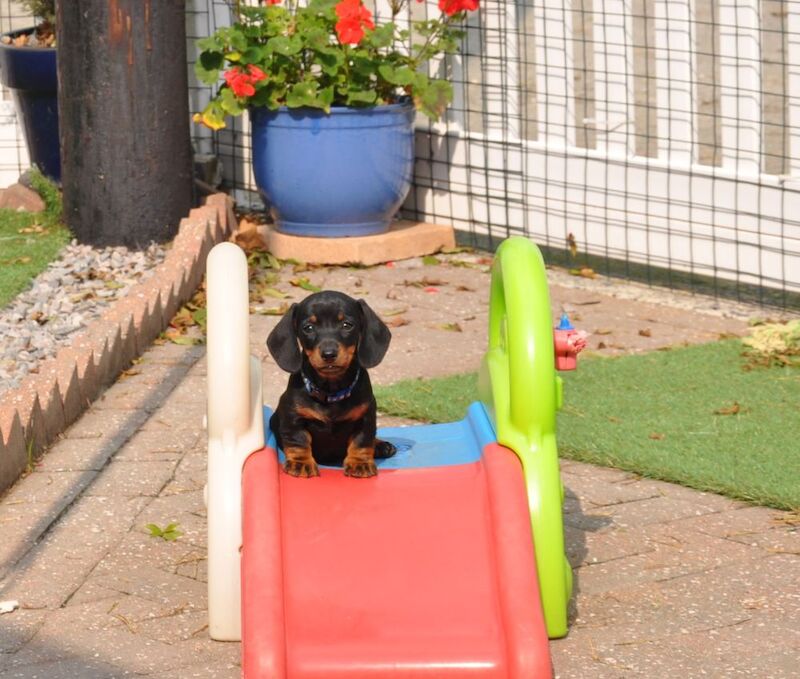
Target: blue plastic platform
(428, 445)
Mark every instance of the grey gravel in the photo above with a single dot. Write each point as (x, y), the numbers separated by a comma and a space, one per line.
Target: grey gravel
(62, 300)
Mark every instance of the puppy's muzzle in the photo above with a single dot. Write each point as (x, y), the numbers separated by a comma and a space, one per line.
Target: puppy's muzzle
(329, 352)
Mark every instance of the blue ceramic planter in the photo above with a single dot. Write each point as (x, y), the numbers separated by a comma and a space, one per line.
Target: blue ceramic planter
(343, 174)
(30, 73)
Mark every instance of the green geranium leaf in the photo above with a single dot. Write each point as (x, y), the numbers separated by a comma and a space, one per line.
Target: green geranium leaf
(286, 46)
(322, 5)
(316, 37)
(208, 75)
(237, 39)
(229, 102)
(433, 97)
(382, 36)
(253, 55)
(361, 97)
(330, 59)
(210, 44)
(302, 94)
(397, 76)
(325, 97)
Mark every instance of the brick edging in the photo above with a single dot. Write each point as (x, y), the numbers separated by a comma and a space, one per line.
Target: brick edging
(34, 414)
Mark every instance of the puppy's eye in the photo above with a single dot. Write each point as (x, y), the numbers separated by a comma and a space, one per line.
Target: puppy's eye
(347, 325)
(307, 328)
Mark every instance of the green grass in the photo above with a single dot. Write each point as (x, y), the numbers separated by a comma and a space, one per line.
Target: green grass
(654, 414)
(28, 242)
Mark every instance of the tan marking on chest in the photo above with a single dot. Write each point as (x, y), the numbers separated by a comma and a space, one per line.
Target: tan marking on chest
(355, 413)
(311, 414)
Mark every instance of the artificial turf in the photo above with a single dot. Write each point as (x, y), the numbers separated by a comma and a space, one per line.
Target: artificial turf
(702, 416)
(28, 242)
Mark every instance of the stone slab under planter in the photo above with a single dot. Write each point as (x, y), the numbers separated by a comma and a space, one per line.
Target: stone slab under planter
(405, 239)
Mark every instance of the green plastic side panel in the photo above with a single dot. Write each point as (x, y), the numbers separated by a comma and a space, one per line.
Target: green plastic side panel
(520, 388)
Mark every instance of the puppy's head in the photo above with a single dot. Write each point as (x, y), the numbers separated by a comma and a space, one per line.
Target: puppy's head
(332, 330)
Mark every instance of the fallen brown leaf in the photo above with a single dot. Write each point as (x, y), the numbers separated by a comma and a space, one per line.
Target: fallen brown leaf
(645, 332)
(656, 436)
(584, 272)
(396, 322)
(572, 244)
(603, 331)
(424, 282)
(17, 260)
(305, 284)
(733, 409)
(791, 518)
(249, 236)
(271, 311)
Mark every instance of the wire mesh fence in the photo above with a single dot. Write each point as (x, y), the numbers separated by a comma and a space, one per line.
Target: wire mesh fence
(653, 139)
(13, 153)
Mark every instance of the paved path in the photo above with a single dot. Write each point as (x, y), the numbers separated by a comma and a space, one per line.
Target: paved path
(670, 582)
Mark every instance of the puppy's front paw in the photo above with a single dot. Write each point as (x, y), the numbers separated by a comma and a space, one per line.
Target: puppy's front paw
(301, 469)
(360, 469)
(384, 449)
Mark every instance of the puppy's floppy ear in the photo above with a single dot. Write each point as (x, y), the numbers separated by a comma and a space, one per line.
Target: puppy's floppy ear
(282, 343)
(375, 337)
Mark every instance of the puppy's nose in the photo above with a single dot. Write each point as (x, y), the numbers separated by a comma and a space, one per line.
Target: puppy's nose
(329, 353)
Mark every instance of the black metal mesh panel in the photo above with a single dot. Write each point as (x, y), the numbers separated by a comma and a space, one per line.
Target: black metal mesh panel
(655, 139)
(13, 154)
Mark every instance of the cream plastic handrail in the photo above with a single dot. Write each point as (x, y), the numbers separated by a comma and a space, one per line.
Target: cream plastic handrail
(235, 429)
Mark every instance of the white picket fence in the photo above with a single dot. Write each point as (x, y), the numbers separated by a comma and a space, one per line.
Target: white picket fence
(512, 156)
(731, 221)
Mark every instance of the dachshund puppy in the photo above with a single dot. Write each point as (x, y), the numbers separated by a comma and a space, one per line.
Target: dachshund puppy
(327, 413)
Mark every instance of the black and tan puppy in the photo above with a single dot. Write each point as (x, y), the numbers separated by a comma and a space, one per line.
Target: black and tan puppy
(327, 413)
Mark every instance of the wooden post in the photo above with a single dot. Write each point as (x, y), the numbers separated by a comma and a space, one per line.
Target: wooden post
(125, 144)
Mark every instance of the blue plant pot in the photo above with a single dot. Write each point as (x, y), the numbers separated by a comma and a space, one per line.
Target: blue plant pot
(31, 75)
(331, 175)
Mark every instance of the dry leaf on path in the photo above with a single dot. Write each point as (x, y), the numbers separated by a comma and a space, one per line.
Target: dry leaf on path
(424, 282)
(584, 272)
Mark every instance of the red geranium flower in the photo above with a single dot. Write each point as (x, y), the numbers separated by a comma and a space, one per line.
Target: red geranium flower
(256, 74)
(242, 82)
(353, 19)
(451, 7)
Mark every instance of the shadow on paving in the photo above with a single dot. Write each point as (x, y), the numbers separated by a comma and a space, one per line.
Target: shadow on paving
(113, 442)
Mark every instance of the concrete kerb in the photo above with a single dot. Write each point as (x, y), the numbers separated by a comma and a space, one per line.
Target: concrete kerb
(33, 415)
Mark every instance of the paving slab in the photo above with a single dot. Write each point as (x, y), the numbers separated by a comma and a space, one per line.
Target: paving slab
(669, 581)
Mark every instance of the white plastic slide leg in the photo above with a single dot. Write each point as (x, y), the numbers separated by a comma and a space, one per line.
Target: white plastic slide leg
(235, 429)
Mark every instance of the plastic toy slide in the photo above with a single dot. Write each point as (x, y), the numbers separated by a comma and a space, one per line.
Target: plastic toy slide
(449, 563)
